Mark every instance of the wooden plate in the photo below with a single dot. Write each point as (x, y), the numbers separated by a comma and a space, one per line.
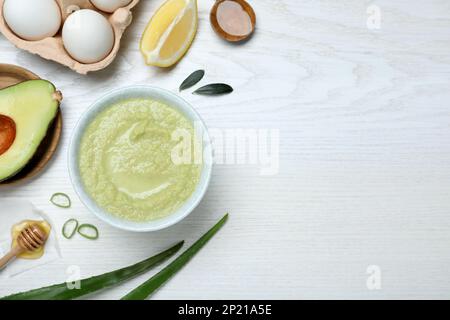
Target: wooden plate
(11, 75)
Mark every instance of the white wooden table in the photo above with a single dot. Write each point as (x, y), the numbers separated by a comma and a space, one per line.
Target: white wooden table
(363, 110)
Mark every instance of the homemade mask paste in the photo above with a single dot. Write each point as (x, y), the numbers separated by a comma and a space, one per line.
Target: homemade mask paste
(126, 160)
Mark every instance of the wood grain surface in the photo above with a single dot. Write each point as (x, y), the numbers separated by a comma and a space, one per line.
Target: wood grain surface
(359, 91)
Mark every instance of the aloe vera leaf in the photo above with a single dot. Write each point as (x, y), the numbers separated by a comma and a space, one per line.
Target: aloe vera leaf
(90, 285)
(151, 285)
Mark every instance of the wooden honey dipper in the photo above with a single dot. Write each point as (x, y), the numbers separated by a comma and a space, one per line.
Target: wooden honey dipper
(30, 238)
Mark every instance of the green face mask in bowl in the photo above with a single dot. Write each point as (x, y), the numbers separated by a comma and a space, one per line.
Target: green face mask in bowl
(140, 158)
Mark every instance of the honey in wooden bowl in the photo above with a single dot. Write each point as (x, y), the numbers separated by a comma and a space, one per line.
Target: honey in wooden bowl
(233, 20)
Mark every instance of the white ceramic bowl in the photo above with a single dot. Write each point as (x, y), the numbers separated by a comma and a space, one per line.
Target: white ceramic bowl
(140, 92)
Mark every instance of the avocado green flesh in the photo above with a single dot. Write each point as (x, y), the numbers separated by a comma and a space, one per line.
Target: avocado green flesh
(31, 105)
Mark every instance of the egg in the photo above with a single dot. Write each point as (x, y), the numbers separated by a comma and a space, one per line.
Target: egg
(32, 20)
(110, 5)
(87, 36)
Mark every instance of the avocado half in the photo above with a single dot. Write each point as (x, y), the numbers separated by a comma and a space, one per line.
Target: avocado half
(27, 110)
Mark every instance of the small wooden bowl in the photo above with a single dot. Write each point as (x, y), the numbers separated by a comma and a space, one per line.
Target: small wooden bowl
(222, 33)
(11, 75)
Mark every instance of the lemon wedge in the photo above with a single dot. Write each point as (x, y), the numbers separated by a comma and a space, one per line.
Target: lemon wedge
(170, 32)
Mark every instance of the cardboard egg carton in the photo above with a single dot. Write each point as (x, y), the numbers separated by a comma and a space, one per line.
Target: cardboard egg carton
(53, 49)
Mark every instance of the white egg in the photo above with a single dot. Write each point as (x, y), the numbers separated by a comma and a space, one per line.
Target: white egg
(32, 20)
(110, 5)
(87, 36)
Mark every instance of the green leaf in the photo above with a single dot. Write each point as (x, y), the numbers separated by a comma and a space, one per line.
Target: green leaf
(192, 80)
(214, 89)
(151, 285)
(90, 285)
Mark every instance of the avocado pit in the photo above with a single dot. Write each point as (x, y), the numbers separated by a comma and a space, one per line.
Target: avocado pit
(7, 133)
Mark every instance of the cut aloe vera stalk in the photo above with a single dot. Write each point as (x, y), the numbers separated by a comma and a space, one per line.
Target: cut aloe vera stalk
(69, 228)
(61, 200)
